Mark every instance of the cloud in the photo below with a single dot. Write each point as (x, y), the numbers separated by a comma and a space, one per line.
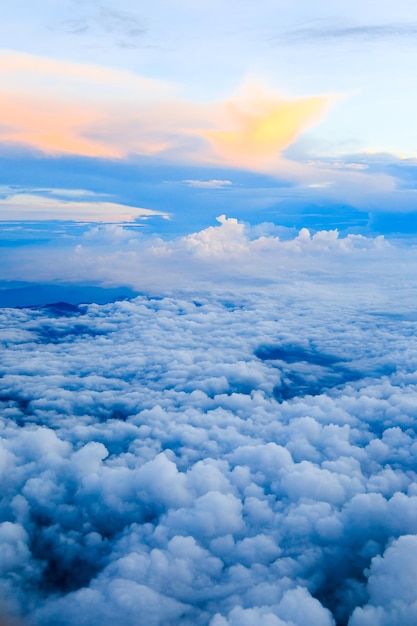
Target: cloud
(96, 111)
(365, 32)
(40, 207)
(208, 184)
(338, 165)
(82, 109)
(218, 256)
(124, 27)
(72, 104)
(393, 598)
(149, 469)
(260, 125)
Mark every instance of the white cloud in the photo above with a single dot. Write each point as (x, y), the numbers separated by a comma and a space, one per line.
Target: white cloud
(217, 256)
(208, 184)
(42, 207)
(338, 165)
(393, 597)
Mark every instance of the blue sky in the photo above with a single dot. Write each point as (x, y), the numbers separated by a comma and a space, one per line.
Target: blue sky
(298, 114)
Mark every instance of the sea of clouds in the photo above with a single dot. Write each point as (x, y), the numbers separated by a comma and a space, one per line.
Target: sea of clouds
(216, 455)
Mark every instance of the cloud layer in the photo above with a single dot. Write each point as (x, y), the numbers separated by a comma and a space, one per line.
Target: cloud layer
(224, 256)
(223, 457)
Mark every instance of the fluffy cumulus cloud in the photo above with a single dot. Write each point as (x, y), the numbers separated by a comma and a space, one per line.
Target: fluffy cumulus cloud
(216, 457)
(226, 255)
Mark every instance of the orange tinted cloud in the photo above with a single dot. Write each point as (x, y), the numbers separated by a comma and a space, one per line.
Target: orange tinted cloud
(61, 128)
(64, 107)
(26, 73)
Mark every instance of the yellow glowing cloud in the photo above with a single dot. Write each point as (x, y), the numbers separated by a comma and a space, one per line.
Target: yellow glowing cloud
(261, 125)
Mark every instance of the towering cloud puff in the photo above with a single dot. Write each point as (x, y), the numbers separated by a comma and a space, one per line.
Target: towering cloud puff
(392, 589)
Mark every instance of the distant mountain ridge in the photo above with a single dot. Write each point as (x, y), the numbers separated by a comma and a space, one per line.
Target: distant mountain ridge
(15, 294)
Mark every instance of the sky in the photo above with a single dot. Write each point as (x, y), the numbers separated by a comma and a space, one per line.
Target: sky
(294, 113)
(208, 278)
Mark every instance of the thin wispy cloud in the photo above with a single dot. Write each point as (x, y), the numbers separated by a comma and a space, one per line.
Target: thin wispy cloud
(43, 206)
(124, 28)
(337, 165)
(208, 184)
(325, 31)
